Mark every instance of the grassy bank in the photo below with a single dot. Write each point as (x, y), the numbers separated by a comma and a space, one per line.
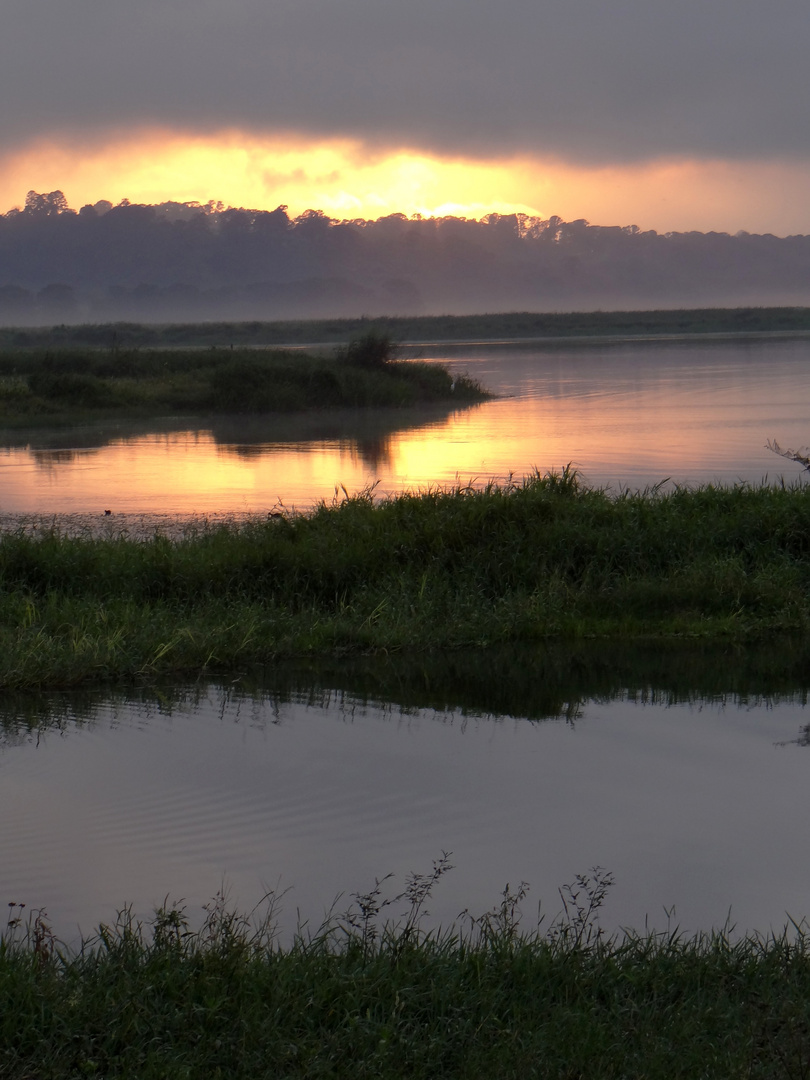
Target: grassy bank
(47, 386)
(492, 326)
(545, 558)
(369, 999)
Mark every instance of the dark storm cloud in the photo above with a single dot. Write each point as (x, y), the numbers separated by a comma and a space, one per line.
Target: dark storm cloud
(591, 80)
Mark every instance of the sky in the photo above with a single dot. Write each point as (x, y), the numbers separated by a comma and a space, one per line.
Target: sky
(667, 114)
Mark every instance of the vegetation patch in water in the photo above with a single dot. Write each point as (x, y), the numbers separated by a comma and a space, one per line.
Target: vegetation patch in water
(55, 386)
(367, 997)
(443, 568)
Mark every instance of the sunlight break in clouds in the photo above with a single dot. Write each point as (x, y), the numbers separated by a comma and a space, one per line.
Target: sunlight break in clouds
(345, 180)
(336, 176)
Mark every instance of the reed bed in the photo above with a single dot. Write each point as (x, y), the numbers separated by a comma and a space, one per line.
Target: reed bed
(543, 558)
(365, 997)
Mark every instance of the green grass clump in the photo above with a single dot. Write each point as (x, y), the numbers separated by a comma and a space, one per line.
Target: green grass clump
(457, 568)
(371, 999)
(55, 386)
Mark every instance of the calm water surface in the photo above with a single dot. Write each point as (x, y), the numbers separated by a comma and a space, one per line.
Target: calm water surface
(700, 805)
(624, 414)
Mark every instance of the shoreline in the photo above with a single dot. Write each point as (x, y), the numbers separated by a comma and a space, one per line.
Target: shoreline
(682, 323)
(554, 341)
(124, 526)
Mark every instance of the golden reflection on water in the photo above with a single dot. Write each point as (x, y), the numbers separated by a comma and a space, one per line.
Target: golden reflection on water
(187, 472)
(625, 416)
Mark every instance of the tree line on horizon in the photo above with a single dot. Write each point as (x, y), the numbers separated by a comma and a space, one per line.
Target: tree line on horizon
(186, 261)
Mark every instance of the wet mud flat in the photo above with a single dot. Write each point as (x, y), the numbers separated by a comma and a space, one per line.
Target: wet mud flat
(127, 526)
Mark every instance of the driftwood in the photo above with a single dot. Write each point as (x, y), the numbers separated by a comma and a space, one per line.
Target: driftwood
(801, 456)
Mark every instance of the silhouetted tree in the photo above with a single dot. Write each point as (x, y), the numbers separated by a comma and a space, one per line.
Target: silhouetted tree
(49, 205)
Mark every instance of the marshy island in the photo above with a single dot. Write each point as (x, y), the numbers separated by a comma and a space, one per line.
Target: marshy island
(55, 386)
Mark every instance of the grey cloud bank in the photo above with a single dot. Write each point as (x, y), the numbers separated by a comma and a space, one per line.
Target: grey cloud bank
(588, 81)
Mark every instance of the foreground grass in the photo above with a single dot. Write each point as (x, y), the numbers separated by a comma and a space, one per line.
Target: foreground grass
(545, 558)
(59, 385)
(363, 999)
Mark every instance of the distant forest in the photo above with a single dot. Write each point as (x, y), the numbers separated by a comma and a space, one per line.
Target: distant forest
(187, 262)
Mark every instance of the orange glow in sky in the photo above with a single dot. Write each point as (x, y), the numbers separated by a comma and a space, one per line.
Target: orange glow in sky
(346, 180)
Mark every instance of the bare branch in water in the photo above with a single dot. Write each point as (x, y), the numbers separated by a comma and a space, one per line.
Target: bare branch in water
(800, 456)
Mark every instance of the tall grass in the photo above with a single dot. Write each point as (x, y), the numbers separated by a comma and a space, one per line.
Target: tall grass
(453, 568)
(365, 996)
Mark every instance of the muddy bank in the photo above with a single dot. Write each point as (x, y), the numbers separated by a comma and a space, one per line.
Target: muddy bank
(127, 526)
